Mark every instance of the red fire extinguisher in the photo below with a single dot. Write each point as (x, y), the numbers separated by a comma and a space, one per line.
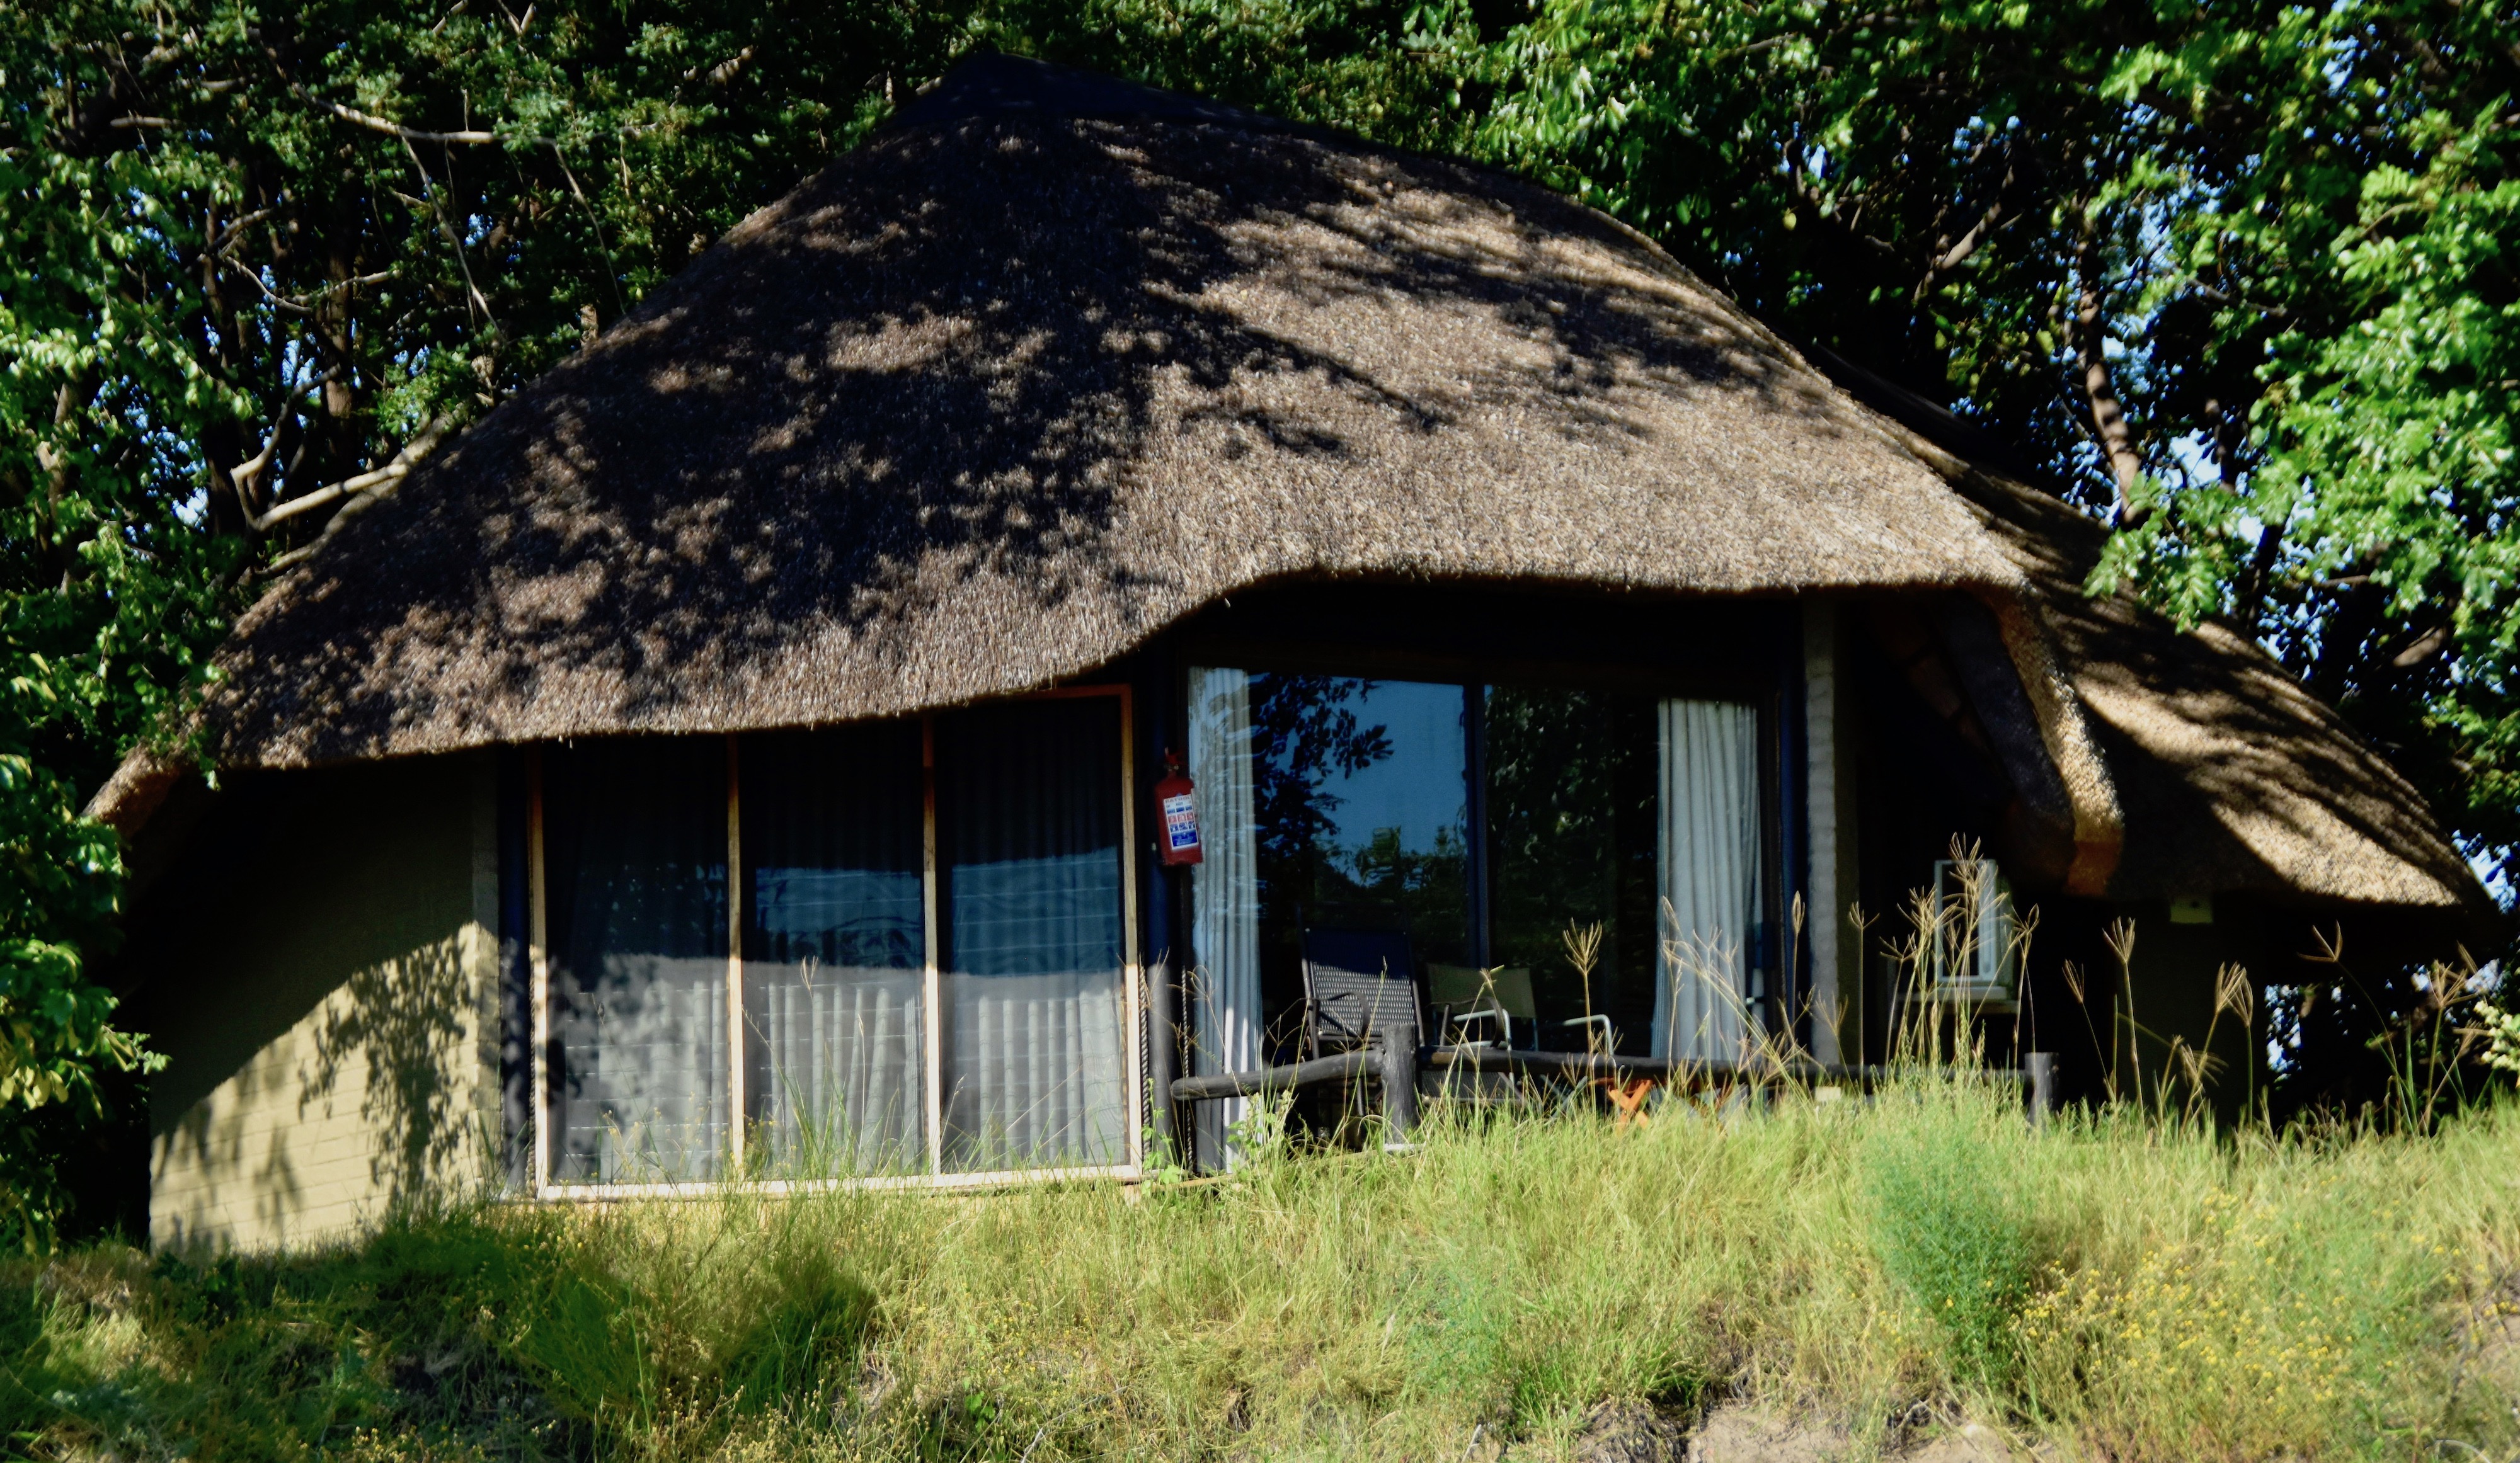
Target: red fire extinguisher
(1176, 800)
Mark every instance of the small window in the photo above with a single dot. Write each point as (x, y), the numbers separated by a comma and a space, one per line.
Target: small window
(1976, 945)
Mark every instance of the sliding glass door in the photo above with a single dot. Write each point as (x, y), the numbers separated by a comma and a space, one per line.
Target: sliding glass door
(1595, 862)
(835, 951)
(1570, 800)
(1325, 804)
(637, 913)
(892, 952)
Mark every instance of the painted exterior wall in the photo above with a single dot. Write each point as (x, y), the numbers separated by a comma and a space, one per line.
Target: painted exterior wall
(1833, 878)
(2175, 976)
(328, 1009)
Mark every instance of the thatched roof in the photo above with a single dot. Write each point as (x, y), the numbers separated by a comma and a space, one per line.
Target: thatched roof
(2229, 774)
(1049, 365)
(2221, 771)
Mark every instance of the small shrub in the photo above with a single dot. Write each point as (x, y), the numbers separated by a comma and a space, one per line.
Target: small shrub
(1953, 1230)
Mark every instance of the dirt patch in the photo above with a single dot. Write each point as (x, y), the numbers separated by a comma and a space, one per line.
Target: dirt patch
(1741, 1434)
(1970, 1443)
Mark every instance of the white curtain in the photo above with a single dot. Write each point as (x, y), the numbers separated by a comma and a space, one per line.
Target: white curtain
(1036, 1076)
(1224, 986)
(835, 949)
(636, 846)
(1710, 864)
(652, 1073)
(842, 1061)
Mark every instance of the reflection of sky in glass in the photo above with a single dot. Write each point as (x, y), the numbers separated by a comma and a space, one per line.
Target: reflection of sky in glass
(873, 913)
(1025, 916)
(1418, 789)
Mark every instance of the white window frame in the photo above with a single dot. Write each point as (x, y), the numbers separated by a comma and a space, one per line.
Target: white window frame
(1978, 968)
(1133, 988)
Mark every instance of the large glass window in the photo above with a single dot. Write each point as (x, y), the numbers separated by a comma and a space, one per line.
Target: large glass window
(1572, 844)
(1029, 805)
(637, 911)
(890, 949)
(1360, 797)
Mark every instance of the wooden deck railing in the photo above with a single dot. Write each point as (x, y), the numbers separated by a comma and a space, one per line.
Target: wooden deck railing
(1396, 1068)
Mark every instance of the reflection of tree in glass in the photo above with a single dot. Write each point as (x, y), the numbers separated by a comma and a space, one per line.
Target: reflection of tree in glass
(1571, 837)
(1309, 734)
(1425, 885)
(1303, 731)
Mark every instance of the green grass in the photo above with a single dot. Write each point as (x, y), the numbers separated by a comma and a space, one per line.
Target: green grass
(2122, 1288)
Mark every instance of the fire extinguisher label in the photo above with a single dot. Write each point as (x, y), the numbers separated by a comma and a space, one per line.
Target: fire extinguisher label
(1181, 824)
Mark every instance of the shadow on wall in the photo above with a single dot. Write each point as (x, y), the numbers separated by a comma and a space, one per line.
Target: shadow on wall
(405, 1029)
(315, 968)
(368, 1100)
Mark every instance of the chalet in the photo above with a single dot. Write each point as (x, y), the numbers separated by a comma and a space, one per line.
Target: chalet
(737, 755)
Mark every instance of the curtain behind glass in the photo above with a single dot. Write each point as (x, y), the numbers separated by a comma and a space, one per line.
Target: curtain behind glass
(1711, 863)
(1224, 888)
(835, 949)
(1028, 806)
(635, 842)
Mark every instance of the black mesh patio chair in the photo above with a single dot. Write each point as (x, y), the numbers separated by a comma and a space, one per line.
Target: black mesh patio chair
(1359, 991)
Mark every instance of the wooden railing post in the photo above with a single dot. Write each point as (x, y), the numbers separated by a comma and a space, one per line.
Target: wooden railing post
(2041, 1067)
(1399, 1064)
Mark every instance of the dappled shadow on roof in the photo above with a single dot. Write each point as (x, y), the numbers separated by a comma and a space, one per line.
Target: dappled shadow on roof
(992, 399)
(2229, 773)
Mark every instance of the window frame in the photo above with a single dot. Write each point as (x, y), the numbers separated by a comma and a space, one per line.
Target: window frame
(1133, 978)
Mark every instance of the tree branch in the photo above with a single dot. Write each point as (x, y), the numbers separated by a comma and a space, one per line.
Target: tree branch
(2099, 391)
(2249, 604)
(412, 451)
(1957, 255)
(408, 134)
(225, 237)
(245, 474)
(446, 226)
(307, 306)
(2422, 649)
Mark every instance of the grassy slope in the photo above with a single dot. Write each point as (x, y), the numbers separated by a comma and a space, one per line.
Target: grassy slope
(2127, 1289)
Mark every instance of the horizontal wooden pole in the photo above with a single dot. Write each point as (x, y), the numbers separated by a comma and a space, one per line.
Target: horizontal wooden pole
(1346, 1066)
(1591, 1064)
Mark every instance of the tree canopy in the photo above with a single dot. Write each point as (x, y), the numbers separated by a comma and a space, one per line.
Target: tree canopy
(2241, 280)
